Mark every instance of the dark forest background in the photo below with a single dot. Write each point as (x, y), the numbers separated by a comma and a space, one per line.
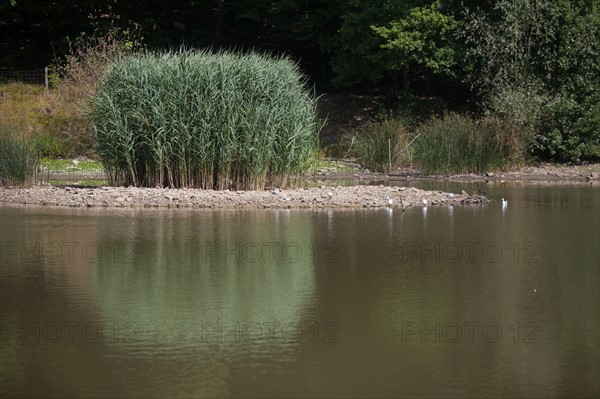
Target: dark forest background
(536, 62)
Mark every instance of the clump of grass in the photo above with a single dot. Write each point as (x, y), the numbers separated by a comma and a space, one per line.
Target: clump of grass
(459, 144)
(196, 119)
(379, 145)
(18, 159)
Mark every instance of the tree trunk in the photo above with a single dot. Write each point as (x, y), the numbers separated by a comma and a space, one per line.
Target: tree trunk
(405, 82)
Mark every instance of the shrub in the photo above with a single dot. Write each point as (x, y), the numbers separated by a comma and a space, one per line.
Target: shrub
(195, 119)
(76, 79)
(459, 144)
(536, 64)
(570, 130)
(18, 159)
(378, 145)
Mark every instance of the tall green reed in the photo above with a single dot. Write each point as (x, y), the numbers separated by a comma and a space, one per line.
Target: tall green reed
(379, 145)
(196, 119)
(459, 144)
(18, 159)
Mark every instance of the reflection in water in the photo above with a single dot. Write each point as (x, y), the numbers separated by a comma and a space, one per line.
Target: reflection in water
(447, 301)
(330, 227)
(390, 221)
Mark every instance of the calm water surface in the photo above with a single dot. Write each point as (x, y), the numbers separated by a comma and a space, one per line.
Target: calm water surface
(438, 302)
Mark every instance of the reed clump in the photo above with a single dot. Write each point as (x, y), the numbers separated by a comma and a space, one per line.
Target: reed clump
(207, 120)
(380, 145)
(457, 143)
(18, 159)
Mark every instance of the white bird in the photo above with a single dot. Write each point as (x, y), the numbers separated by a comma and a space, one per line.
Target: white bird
(330, 194)
(285, 198)
(276, 191)
(504, 203)
(424, 201)
(75, 162)
(390, 201)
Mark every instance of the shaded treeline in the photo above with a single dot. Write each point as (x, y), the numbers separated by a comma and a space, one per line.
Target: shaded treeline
(532, 62)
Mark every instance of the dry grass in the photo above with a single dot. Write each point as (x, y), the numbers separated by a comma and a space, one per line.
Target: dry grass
(24, 107)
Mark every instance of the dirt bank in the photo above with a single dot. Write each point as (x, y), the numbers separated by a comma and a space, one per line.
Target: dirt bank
(323, 197)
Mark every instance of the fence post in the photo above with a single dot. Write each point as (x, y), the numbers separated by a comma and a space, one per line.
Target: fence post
(46, 77)
(390, 155)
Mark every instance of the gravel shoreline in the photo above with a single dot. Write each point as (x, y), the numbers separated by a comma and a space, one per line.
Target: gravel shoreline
(323, 197)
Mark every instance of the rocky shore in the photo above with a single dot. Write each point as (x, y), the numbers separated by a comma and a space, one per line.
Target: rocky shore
(323, 197)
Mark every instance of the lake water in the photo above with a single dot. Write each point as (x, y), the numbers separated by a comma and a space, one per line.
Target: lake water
(436, 302)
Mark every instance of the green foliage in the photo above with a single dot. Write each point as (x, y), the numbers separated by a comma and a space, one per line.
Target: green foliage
(18, 159)
(424, 38)
(459, 144)
(533, 62)
(380, 41)
(50, 145)
(570, 130)
(537, 63)
(356, 50)
(195, 119)
(379, 145)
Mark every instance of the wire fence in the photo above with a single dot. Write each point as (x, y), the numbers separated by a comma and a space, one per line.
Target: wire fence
(33, 76)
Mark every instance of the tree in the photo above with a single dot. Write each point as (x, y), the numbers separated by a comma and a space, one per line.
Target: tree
(537, 63)
(423, 39)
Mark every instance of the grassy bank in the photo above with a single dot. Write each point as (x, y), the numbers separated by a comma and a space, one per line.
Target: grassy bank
(44, 116)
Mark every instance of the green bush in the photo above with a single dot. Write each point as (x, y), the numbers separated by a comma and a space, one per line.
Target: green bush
(378, 144)
(536, 64)
(570, 130)
(49, 145)
(195, 119)
(18, 159)
(459, 144)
